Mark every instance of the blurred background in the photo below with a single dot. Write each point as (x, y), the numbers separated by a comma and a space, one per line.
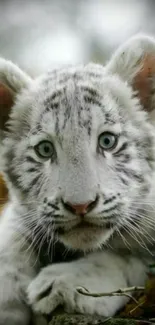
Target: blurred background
(49, 33)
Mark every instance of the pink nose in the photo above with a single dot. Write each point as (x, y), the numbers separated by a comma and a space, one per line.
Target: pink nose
(80, 208)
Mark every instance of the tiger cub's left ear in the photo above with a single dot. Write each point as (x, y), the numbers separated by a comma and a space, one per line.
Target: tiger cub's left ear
(134, 62)
(12, 81)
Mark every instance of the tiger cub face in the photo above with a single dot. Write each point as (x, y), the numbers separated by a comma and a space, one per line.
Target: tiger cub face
(79, 152)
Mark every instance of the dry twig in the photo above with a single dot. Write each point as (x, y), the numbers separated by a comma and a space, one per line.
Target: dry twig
(120, 292)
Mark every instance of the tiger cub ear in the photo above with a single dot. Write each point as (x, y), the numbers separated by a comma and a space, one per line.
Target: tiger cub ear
(6, 102)
(12, 81)
(134, 62)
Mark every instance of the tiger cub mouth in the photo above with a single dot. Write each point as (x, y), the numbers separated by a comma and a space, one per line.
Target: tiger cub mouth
(83, 225)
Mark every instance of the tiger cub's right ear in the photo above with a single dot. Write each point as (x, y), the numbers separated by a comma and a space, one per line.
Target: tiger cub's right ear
(12, 81)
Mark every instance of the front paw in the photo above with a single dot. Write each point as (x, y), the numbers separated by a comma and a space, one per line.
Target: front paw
(47, 292)
(52, 287)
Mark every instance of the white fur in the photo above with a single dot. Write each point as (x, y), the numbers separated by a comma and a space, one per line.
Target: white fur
(98, 272)
(77, 176)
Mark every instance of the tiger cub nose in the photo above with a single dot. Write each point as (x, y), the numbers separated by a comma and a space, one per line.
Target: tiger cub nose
(80, 208)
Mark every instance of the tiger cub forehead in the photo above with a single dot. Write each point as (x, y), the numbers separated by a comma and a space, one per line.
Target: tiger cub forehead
(76, 95)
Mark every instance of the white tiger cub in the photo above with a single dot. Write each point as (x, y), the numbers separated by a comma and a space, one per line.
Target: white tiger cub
(79, 160)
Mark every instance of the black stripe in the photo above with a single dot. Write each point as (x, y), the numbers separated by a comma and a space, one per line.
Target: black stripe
(125, 158)
(15, 180)
(93, 92)
(109, 121)
(122, 148)
(34, 181)
(57, 93)
(13, 177)
(31, 170)
(124, 181)
(109, 200)
(51, 106)
(108, 118)
(31, 160)
(91, 100)
(110, 209)
(132, 174)
(53, 206)
(36, 129)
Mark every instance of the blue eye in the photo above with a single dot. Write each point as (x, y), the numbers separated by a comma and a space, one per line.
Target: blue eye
(107, 141)
(44, 149)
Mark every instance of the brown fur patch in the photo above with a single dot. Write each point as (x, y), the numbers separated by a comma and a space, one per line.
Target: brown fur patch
(3, 193)
(144, 80)
(6, 102)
